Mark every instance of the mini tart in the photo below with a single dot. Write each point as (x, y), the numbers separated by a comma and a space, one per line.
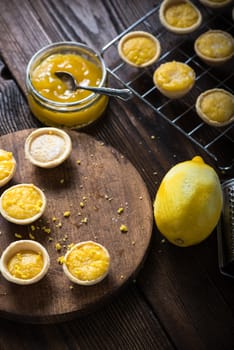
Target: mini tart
(215, 3)
(86, 263)
(179, 16)
(216, 107)
(214, 47)
(7, 167)
(24, 262)
(47, 147)
(22, 204)
(139, 49)
(174, 79)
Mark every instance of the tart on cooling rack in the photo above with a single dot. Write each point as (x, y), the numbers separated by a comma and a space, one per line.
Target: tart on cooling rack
(214, 47)
(174, 79)
(215, 3)
(139, 49)
(216, 107)
(180, 16)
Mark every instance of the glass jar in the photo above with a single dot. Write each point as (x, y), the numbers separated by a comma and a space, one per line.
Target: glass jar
(61, 111)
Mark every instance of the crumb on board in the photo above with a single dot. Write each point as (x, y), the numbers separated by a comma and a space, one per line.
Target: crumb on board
(123, 228)
(31, 236)
(58, 246)
(120, 210)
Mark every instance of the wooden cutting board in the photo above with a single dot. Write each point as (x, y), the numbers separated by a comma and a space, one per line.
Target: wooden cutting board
(104, 181)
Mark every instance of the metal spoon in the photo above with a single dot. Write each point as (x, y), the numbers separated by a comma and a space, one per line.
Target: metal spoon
(70, 81)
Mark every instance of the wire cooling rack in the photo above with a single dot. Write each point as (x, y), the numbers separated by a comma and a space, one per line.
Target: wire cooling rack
(180, 113)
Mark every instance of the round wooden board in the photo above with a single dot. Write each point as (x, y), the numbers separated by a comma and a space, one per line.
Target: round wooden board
(104, 181)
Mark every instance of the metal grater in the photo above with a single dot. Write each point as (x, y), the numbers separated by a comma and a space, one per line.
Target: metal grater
(226, 231)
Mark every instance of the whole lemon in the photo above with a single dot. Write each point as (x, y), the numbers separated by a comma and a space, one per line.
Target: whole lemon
(188, 203)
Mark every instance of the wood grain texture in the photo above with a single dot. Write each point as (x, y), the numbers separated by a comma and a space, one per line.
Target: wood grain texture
(180, 294)
(112, 327)
(103, 182)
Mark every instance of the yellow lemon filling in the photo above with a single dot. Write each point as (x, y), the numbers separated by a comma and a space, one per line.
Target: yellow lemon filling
(215, 44)
(139, 50)
(7, 164)
(25, 264)
(181, 15)
(88, 261)
(217, 106)
(174, 76)
(56, 110)
(22, 202)
(50, 86)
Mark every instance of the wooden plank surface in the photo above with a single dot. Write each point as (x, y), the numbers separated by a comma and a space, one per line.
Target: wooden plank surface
(180, 294)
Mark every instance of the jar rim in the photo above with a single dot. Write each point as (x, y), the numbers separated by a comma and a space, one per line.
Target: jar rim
(72, 44)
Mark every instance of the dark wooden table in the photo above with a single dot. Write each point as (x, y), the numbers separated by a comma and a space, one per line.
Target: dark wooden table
(179, 300)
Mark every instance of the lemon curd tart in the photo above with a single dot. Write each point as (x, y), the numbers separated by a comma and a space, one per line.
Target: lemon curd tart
(22, 204)
(174, 79)
(24, 262)
(47, 147)
(179, 16)
(216, 107)
(216, 3)
(87, 263)
(214, 47)
(49, 98)
(139, 48)
(7, 166)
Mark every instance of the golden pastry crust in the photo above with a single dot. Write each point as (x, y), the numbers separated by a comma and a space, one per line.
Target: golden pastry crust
(86, 263)
(139, 49)
(214, 47)
(180, 16)
(216, 107)
(174, 79)
(48, 147)
(22, 204)
(17, 248)
(215, 3)
(7, 167)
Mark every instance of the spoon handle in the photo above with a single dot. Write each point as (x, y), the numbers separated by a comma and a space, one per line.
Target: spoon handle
(123, 94)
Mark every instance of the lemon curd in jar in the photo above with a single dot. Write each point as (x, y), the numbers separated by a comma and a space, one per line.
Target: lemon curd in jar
(25, 264)
(49, 98)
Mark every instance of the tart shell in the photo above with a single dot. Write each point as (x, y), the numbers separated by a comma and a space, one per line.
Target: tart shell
(178, 30)
(76, 280)
(213, 61)
(139, 34)
(7, 179)
(204, 117)
(51, 149)
(16, 247)
(27, 220)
